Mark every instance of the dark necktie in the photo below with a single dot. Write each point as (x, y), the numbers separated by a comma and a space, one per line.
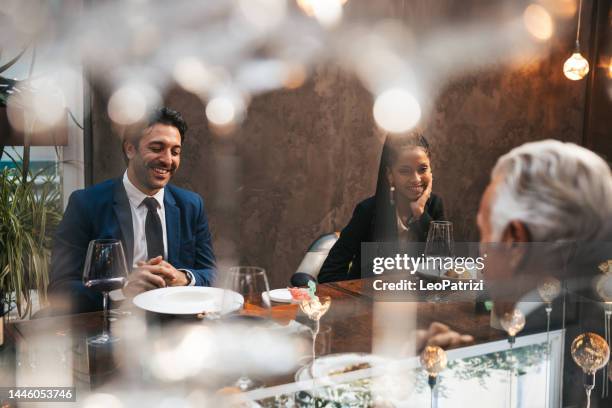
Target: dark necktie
(153, 229)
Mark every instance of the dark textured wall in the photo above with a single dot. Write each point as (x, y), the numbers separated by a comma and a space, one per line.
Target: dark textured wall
(303, 159)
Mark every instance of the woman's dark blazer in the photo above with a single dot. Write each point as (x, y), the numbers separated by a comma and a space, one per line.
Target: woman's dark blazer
(344, 259)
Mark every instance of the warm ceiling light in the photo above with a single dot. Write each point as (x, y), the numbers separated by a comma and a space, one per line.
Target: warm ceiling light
(576, 67)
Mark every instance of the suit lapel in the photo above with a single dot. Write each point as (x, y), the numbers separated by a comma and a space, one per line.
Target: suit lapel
(121, 206)
(173, 225)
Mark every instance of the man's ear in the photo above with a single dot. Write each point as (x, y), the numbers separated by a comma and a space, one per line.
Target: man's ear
(516, 231)
(129, 149)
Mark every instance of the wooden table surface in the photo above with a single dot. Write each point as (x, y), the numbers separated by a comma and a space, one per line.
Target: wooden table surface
(351, 318)
(352, 314)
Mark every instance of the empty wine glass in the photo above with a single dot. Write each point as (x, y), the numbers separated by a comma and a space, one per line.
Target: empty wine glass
(105, 270)
(252, 283)
(440, 242)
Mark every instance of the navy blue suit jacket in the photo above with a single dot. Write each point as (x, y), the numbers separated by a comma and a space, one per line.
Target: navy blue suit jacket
(103, 211)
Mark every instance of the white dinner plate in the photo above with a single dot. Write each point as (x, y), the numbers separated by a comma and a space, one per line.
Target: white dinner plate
(279, 295)
(188, 300)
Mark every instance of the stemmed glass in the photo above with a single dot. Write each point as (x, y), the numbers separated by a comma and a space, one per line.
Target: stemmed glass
(440, 244)
(105, 270)
(315, 307)
(439, 239)
(252, 283)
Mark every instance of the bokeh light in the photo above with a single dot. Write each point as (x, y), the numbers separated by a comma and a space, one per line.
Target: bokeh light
(222, 111)
(561, 8)
(102, 400)
(49, 104)
(306, 6)
(192, 75)
(182, 360)
(263, 14)
(294, 76)
(327, 12)
(538, 22)
(260, 75)
(396, 110)
(129, 104)
(41, 103)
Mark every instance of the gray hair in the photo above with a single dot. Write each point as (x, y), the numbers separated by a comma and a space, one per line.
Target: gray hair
(560, 191)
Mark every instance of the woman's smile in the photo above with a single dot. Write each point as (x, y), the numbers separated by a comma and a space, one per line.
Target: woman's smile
(416, 189)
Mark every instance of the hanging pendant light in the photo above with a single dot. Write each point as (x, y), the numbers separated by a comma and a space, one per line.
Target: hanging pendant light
(576, 67)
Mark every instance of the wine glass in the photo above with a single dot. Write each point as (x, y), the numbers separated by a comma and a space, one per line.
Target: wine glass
(440, 244)
(252, 283)
(105, 270)
(440, 240)
(315, 308)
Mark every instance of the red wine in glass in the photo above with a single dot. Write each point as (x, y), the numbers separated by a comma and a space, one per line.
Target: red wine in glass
(106, 285)
(105, 270)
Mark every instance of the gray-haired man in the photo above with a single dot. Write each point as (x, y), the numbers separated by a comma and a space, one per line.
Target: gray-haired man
(547, 212)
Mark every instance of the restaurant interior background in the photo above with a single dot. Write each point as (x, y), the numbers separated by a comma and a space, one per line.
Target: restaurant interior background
(303, 158)
(304, 150)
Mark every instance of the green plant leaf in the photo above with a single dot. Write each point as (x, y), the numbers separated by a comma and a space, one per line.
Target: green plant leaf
(29, 212)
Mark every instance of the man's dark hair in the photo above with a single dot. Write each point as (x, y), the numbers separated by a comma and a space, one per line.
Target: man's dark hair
(165, 116)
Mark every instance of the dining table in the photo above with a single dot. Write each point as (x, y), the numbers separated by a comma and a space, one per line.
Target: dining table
(352, 319)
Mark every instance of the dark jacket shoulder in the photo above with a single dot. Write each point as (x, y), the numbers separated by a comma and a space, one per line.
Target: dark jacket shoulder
(184, 194)
(368, 205)
(97, 191)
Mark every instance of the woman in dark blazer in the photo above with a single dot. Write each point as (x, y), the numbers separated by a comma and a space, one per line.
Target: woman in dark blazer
(400, 211)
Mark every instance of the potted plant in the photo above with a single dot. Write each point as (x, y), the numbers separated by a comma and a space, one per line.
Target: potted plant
(30, 206)
(30, 209)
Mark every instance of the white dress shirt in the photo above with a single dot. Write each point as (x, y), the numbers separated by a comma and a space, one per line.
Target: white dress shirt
(139, 216)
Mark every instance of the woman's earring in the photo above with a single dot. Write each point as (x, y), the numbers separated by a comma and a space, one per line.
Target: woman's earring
(392, 195)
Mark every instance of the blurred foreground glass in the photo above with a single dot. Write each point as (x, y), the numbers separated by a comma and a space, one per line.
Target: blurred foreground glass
(105, 270)
(251, 282)
(315, 308)
(324, 341)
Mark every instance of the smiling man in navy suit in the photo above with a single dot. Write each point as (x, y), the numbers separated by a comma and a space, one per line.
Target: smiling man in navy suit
(163, 228)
